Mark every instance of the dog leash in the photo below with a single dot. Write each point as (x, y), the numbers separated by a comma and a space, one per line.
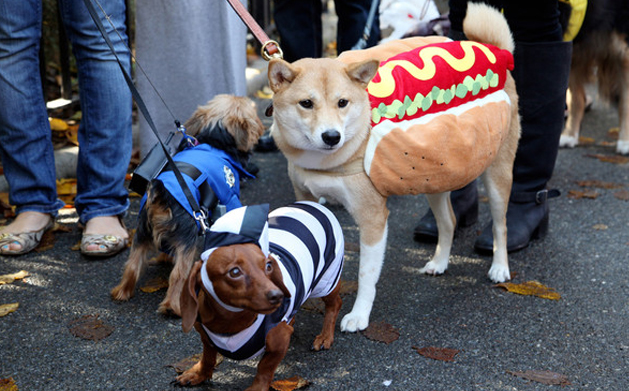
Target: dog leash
(362, 42)
(270, 48)
(200, 214)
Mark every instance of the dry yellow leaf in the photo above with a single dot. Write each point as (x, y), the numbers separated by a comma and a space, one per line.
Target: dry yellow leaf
(6, 309)
(531, 288)
(154, 285)
(58, 125)
(66, 186)
(600, 227)
(72, 134)
(290, 384)
(586, 140)
(8, 385)
(9, 278)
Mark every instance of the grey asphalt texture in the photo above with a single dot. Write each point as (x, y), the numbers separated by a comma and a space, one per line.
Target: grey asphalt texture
(583, 336)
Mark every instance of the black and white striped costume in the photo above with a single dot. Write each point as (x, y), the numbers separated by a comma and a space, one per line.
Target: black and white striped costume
(306, 240)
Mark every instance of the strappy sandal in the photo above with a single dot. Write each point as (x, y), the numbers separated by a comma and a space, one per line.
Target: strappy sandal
(108, 244)
(28, 240)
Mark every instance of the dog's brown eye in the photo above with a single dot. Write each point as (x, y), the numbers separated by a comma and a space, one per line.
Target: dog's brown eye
(343, 103)
(235, 272)
(306, 103)
(269, 267)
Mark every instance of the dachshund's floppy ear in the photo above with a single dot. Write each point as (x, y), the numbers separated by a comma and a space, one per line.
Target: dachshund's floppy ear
(189, 301)
(276, 277)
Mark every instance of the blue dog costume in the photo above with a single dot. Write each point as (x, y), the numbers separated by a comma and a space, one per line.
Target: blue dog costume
(204, 166)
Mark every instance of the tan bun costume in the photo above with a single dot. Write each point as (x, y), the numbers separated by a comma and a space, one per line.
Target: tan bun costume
(439, 113)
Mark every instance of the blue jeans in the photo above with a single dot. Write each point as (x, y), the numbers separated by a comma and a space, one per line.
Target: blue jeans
(105, 139)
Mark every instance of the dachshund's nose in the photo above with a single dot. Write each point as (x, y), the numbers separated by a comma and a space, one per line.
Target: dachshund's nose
(275, 296)
(331, 137)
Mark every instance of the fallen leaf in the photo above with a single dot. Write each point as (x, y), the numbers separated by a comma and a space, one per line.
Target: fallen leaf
(381, 332)
(46, 243)
(66, 186)
(616, 159)
(184, 364)
(352, 247)
(314, 305)
(600, 227)
(9, 278)
(58, 125)
(600, 184)
(441, 354)
(6, 309)
(76, 247)
(578, 194)
(8, 385)
(613, 133)
(6, 209)
(265, 93)
(530, 288)
(544, 377)
(348, 287)
(622, 195)
(290, 384)
(586, 140)
(155, 284)
(90, 327)
(72, 134)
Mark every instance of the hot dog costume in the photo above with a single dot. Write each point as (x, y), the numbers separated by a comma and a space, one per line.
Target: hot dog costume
(439, 113)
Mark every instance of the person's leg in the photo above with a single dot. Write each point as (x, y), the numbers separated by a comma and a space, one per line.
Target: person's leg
(542, 65)
(299, 26)
(105, 138)
(465, 200)
(352, 19)
(25, 138)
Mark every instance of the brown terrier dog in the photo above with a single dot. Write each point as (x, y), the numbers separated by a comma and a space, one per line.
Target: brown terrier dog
(226, 129)
(243, 296)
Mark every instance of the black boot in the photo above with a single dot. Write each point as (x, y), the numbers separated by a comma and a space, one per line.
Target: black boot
(541, 76)
(465, 206)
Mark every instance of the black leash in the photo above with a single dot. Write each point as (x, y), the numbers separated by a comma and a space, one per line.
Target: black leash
(199, 213)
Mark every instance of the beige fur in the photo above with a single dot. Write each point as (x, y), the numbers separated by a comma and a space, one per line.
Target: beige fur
(601, 57)
(323, 96)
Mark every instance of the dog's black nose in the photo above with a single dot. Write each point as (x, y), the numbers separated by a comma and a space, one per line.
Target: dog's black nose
(331, 137)
(275, 296)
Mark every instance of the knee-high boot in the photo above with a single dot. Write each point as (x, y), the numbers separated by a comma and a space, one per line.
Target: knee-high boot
(541, 76)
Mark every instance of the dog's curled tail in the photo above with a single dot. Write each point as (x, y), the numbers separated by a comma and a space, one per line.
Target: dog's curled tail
(486, 24)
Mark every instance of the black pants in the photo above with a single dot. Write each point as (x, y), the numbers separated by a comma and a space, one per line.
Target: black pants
(529, 20)
(299, 25)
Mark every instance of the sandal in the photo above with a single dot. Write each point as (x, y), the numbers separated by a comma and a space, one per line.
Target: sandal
(108, 244)
(28, 240)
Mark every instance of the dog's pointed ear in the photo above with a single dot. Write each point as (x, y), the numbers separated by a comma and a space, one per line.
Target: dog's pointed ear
(280, 74)
(189, 300)
(276, 277)
(363, 71)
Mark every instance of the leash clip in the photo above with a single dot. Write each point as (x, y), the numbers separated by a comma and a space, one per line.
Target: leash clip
(201, 217)
(190, 141)
(271, 49)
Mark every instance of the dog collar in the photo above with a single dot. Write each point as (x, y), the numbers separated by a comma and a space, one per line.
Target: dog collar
(209, 287)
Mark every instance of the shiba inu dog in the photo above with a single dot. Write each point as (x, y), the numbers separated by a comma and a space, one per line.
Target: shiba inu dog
(350, 135)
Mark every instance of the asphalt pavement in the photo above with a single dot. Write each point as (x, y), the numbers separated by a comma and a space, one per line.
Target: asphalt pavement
(582, 336)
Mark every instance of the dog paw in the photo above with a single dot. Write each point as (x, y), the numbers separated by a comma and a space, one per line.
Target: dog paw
(322, 342)
(120, 294)
(568, 141)
(433, 269)
(622, 147)
(499, 274)
(352, 322)
(191, 377)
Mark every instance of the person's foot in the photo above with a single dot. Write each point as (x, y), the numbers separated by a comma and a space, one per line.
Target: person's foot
(104, 236)
(24, 233)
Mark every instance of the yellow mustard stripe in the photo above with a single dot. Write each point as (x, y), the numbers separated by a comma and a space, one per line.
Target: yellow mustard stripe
(577, 15)
(386, 85)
